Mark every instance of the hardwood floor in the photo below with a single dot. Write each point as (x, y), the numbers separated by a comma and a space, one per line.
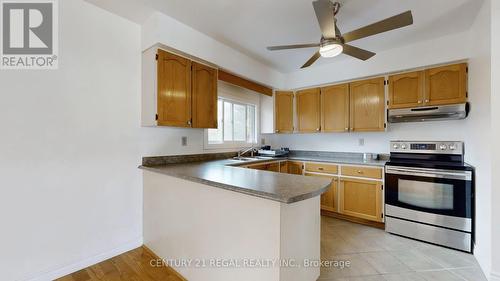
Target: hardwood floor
(133, 265)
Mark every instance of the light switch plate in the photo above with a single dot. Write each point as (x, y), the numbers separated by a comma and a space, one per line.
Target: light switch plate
(184, 141)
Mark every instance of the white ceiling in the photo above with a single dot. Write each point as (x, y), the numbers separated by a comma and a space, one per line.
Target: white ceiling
(251, 25)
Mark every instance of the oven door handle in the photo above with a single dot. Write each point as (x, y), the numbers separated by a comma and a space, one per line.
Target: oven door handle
(431, 173)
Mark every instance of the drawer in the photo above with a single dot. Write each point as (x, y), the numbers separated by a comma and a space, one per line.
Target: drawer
(322, 168)
(361, 171)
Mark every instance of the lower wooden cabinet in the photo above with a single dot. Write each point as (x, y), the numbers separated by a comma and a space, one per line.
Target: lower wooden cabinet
(349, 194)
(284, 167)
(273, 167)
(329, 199)
(361, 198)
(295, 168)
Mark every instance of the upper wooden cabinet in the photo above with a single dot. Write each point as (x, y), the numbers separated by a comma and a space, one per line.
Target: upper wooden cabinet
(335, 108)
(284, 112)
(308, 110)
(177, 92)
(367, 105)
(174, 90)
(434, 86)
(204, 96)
(406, 90)
(446, 84)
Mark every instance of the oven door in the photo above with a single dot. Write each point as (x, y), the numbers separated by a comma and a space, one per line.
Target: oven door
(428, 191)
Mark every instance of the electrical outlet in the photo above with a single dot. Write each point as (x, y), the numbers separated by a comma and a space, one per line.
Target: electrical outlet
(184, 141)
(361, 142)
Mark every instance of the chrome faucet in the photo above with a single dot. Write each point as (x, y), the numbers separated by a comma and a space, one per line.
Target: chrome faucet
(245, 150)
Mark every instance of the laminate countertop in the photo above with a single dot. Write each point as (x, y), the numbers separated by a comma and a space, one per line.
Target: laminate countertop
(228, 174)
(279, 187)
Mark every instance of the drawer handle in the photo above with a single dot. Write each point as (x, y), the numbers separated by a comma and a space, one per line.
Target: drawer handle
(360, 172)
(320, 168)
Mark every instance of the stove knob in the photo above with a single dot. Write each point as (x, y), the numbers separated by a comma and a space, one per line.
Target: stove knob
(403, 146)
(395, 146)
(443, 146)
(452, 147)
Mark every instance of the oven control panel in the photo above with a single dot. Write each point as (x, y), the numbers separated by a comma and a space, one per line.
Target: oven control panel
(434, 147)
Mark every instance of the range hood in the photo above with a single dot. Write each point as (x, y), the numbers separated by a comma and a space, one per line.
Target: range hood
(429, 113)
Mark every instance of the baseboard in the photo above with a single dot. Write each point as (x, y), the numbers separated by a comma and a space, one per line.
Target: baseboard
(495, 276)
(336, 215)
(68, 269)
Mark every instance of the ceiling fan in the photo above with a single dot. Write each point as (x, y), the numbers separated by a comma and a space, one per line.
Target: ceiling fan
(333, 43)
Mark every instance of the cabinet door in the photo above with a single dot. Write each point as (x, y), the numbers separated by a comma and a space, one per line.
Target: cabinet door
(446, 84)
(295, 168)
(174, 90)
(259, 167)
(204, 81)
(284, 112)
(329, 198)
(308, 110)
(284, 167)
(361, 198)
(274, 167)
(406, 90)
(335, 108)
(367, 105)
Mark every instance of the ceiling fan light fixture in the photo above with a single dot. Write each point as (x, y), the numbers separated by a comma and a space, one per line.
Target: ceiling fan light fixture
(331, 50)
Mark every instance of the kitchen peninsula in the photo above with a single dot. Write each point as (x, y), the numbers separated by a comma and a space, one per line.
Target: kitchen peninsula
(215, 220)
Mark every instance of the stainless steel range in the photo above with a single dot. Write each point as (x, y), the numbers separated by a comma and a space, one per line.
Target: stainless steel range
(429, 193)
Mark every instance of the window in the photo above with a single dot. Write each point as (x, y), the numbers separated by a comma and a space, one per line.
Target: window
(236, 125)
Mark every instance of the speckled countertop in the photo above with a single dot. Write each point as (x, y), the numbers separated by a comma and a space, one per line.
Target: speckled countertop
(220, 170)
(284, 188)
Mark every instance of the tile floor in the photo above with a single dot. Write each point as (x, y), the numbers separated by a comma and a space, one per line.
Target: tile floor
(376, 255)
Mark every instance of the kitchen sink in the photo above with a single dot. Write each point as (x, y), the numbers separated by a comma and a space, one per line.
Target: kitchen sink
(251, 158)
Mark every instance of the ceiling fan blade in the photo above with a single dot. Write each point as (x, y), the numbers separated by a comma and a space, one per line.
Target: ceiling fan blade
(326, 17)
(391, 23)
(311, 60)
(357, 52)
(297, 46)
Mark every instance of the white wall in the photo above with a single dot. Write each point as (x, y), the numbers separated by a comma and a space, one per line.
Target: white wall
(495, 105)
(71, 143)
(70, 146)
(163, 29)
(473, 45)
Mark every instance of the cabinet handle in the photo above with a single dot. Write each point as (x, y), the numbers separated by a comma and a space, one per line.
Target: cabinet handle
(419, 101)
(189, 122)
(347, 129)
(320, 168)
(426, 100)
(318, 129)
(277, 131)
(360, 172)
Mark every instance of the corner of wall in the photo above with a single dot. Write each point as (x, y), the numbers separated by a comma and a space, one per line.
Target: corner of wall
(162, 29)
